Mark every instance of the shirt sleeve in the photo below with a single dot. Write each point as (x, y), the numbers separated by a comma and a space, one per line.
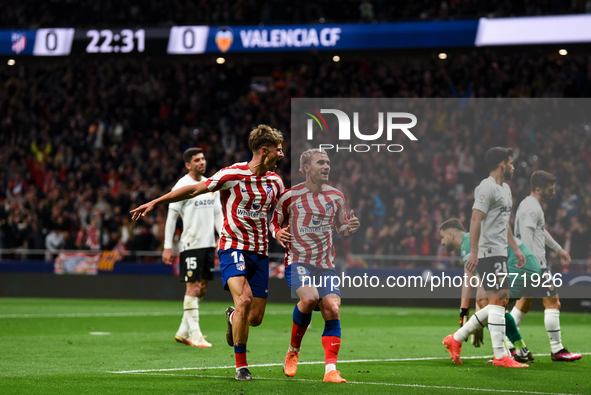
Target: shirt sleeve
(281, 214)
(218, 216)
(341, 220)
(550, 242)
(530, 218)
(221, 180)
(170, 226)
(483, 196)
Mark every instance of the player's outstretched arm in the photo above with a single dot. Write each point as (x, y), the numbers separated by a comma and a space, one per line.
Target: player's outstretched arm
(515, 247)
(186, 192)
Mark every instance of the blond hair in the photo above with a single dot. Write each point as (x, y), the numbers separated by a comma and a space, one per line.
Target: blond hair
(307, 155)
(264, 136)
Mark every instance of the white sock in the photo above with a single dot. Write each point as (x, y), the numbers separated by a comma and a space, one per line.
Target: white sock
(329, 367)
(496, 327)
(552, 323)
(192, 310)
(293, 349)
(184, 327)
(477, 321)
(517, 316)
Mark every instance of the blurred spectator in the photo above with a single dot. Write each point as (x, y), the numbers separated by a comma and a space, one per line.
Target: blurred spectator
(54, 241)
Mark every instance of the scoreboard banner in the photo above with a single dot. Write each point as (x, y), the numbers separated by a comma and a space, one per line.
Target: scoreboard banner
(194, 40)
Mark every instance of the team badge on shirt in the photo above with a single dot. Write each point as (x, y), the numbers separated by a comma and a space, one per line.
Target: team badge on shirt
(329, 208)
(270, 193)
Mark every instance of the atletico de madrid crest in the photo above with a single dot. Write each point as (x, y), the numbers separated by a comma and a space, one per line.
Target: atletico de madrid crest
(224, 38)
(19, 42)
(329, 208)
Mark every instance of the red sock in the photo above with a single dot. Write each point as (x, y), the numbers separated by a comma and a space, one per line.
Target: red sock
(240, 359)
(331, 345)
(297, 334)
(240, 355)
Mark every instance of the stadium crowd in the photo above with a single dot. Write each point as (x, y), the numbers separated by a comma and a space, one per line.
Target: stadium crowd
(63, 13)
(82, 142)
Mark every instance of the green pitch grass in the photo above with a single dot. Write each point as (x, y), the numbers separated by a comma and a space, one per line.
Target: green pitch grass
(63, 346)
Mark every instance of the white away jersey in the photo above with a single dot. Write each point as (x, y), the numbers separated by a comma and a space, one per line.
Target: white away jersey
(201, 215)
(246, 201)
(495, 202)
(530, 215)
(311, 217)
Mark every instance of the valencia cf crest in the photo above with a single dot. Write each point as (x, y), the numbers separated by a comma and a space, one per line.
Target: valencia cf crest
(224, 38)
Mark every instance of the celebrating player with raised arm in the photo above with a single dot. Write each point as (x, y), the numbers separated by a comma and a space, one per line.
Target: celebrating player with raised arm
(530, 225)
(489, 236)
(248, 190)
(309, 211)
(202, 216)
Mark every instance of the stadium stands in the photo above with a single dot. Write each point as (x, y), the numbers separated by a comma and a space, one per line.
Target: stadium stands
(83, 141)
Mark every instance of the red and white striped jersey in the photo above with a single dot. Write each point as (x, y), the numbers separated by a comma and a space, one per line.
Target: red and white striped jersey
(246, 202)
(311, 216)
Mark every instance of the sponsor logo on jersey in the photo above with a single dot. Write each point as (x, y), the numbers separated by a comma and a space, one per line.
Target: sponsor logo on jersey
(482, 197)
(506, 210)
(316, 221)
(243, 190)
(256, 207)
(329, 208)
(203, 203)
(319, 229)
(251, 213)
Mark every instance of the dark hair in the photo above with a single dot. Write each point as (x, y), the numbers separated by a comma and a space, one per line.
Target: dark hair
(452, 223)
(190, 153)
(495, 156)
(264, 136)
(541, 179)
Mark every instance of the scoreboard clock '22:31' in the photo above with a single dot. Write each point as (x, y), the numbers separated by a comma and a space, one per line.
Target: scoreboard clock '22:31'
(125, 41)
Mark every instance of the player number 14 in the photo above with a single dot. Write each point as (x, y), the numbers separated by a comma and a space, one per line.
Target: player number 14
(237, 257)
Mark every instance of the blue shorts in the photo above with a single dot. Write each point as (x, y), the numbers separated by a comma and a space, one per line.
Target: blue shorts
(253, 266)
(298, 274)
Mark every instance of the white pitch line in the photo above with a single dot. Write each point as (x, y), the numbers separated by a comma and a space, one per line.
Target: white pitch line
(372, 383)
(263, 365)
(135, 314)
